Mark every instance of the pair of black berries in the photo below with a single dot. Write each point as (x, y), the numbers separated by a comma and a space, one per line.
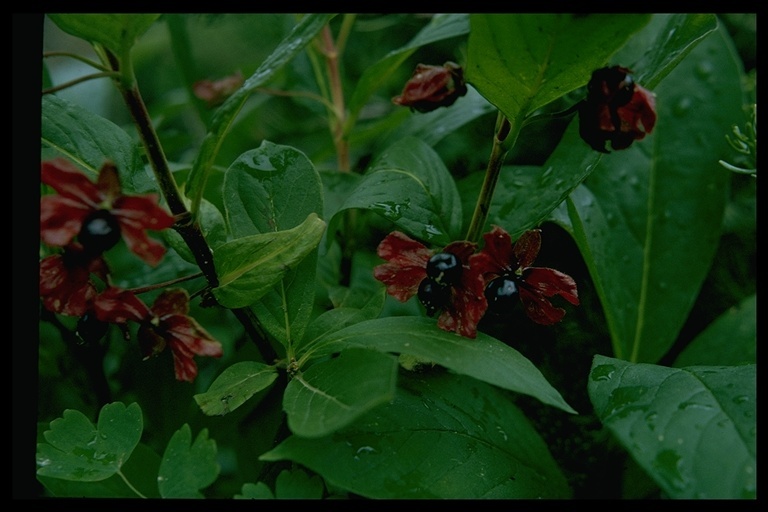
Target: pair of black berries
(444, 271)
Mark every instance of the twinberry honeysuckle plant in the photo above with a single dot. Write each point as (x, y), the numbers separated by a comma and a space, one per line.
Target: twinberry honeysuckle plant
(393, 256)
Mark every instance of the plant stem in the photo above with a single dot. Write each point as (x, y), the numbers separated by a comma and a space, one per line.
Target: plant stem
(157, 286)
(79, 80)
(337, 97)
(504, 138)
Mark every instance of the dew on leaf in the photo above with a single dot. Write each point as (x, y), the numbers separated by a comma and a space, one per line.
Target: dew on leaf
(603, 372)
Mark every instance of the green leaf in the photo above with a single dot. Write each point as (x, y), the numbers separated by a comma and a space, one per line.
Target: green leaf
(88, 140)
(273, 188)
(649, 223)
(484, 358)
(138, 475)
(444, 436)
(521, 62)
(234, 386)
(296, 484)
(301, 35)
(257, 491)
(410, 185)
(76, 450)
(248, 267)
(331, 394)
(730, 340)
(692, 429)
(187, 467)
(118, 32)
(440, 27)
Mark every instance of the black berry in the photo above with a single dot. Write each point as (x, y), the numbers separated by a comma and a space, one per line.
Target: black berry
(502, 294)
(444, 269)
(100, 231)
(90, 329)
(434, 296)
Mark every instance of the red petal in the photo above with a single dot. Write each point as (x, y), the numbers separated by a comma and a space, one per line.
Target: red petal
(550, 282)
(68, 181)
(118, 306)
(496, 256)
(64, 290)
(186, 331)
(108, 182)
(539, 309)
(184, 367)
(173, 301)
(428, 83)
(467, 307)
(527, 248)
(406, 265)
(61, 219)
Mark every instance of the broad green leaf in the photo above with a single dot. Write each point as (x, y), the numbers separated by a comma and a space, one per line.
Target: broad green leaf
(484, 358)
(521, 62)
(257, 491)
(730, 340)
(331, 394)
(649, 223)
(440, 27)
(87, 139)
(443, 436)
(410, 185)
(76, 450)
(137, 478)
(692, 429)
(187, 467)
(118, 32)
(248, 267)
(273, 188)
(234, 386)
(301, 35)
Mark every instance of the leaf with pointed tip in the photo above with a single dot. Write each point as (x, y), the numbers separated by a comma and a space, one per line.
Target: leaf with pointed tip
(234, 386)
(76, 450)
(484, 358)
(692, 429)
(248, 267)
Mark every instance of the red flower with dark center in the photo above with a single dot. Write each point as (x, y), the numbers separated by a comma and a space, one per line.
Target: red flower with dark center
(431, 87)
(511, 265)
(616, 110)
(464, 302)
(98, 213)
(65, 280)
(166, 323)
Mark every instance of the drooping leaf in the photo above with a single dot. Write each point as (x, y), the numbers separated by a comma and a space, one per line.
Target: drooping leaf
(730, 340)
(331, 394)
(257, 491)
(692, 429)
(649, 223)
(118, 32)
(485, 358)
(87, 139)
(248, 267)
(521, 62)
(271, 188)
(296, 484)
(440, 27)
(235, 385)
(444, 436)
(76, 450)
(187, 466)
(410, 185)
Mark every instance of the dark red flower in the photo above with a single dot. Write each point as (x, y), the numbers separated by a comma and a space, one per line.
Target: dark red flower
(65, 280)
(431, 87)
(214, 92)
(98, 213)
(507, 271)
(460, 299)
(166, 323)
(616, 110)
